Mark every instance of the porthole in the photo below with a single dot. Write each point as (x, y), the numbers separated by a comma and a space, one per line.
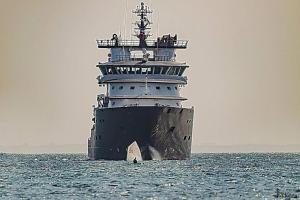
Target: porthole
(184, 138)
(175, 87)
(189, 138)
(113, 103)
(169, 88)
(132, 87)
(98, 137)
(121, 88)
(157, 87)
(113, 87)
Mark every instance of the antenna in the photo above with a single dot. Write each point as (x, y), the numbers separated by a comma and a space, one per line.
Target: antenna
(142, 24)
(157, 31)
(125, 20)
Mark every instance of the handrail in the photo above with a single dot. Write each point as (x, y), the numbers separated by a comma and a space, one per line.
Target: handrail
(136, 43)
(133, 58)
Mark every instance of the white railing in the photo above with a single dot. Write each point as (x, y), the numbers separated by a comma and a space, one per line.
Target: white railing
(136, 43)
(136, 58)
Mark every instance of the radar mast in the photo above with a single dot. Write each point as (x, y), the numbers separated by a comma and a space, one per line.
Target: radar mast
(142, 24)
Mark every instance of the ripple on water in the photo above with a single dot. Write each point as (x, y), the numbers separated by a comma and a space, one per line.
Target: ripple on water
(223, 176)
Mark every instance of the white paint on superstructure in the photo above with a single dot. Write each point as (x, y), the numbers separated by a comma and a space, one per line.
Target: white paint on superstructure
(144, 94)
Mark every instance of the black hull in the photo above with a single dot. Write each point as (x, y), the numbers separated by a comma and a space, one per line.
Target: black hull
(167, 130)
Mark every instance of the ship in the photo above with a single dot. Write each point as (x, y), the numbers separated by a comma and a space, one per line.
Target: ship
(141, 110)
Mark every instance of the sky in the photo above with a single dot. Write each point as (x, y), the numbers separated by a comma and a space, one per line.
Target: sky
(244, 79)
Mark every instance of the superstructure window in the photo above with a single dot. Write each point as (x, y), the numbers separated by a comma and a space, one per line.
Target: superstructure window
(171, 71)
(109, 70)
(119, 70)
(157, 70)
(138, 70)
(103, 71)
(181, 71)
(125, 70)
(177, 69)
(131, 70)
(164, 70)
(145, 70)
(114, 70)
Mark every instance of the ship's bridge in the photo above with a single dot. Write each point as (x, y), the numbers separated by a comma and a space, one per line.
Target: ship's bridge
(139, 69)
(143, 83)
(142, 72)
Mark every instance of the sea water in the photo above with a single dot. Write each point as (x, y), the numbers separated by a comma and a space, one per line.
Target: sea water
(204, 176)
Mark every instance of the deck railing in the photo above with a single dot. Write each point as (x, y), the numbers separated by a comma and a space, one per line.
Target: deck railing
(136, 43)
(137, 58)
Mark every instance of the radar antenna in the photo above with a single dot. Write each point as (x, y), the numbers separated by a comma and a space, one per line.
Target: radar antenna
(143, 24)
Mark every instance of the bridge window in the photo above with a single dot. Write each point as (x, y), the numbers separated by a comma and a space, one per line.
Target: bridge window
(131, 70)
(157, 70)
(125, 70)
(146, 70)
(177, 71)
(103, 70)
(119, 70)
(171, 71)
(181, 70)
(164, 70)
(114, 70)
(109, 70)
(138, 70)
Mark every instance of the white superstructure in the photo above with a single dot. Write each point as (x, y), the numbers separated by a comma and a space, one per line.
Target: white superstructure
(142, 72)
